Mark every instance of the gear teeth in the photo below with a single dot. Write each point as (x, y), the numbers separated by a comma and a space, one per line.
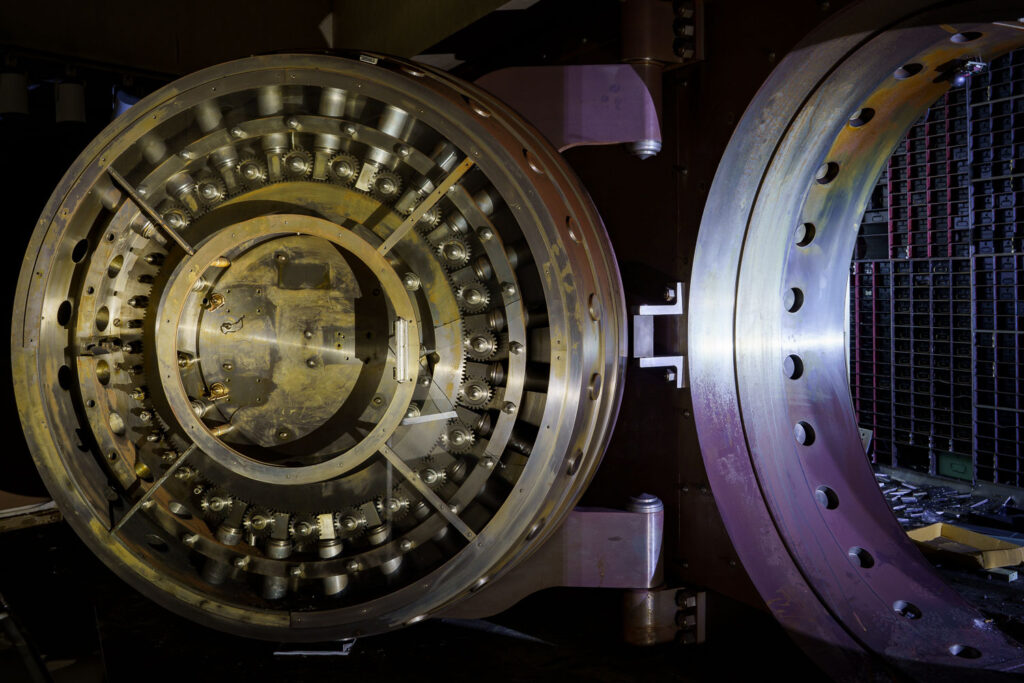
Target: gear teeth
(475, 393)
(454, 253)
(431, 219)
(211, 189)
(480, 345)
(216, 502)
(297, 164)
(473, 297)
(177, 218)
(343, 168)
(259, 522)
(386, 185)
(303, 528)
(457, 438)
(252, 171)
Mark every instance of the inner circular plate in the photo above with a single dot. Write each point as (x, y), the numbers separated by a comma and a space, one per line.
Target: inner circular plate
(299, 344)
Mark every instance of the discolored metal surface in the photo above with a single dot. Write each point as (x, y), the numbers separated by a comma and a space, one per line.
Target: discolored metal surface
(304, 346)
(771, 396)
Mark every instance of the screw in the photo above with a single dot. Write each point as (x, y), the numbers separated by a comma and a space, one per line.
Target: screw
(237, 132)
(485, 234)
(241, 562)
(352, 566)
(405, 545)
(308, 334)
(296, 572)
(670, 294)
(508, 289)
(282, 434)
(670, 375)
(509, 407)
(515, 347)
(311, 362)
(291, 122)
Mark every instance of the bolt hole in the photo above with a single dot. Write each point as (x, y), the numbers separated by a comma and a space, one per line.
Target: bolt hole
(803, 433)
(156, 543)
(965, 37)
(103, 372)
(179, 510)
(112, 456)
(826, 497)
(65, 378)
(595, 387)
(805, 234)
(907, 70)
(115, 266)
(64, 313)
(965, 651)
(793, 299)
(535, 530)
(574, 463)
(80, 250)
(827, 172)
(906, 609)
(573, 228)
(90, 403)
(793, 366)
(102, 318)
(862, 116)
(860, 557)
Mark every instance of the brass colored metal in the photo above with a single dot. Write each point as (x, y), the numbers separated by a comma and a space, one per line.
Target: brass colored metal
(304, 418)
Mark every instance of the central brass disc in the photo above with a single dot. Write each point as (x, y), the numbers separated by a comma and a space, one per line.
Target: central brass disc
(280, 334)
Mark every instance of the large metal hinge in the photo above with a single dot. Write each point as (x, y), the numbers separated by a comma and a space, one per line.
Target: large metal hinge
(643, 336)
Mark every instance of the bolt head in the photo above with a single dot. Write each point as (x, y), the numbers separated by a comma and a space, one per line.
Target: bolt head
(485, 234)
(508, 289)
(509, 408)
(295, 572)
(405, 545)
(515, 347)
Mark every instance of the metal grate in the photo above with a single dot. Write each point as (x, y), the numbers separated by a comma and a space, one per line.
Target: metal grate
(937, 288)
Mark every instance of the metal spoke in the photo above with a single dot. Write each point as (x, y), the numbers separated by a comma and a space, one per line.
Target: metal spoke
(150, 211)
(425, 206)
(427, 492)
(154, 488)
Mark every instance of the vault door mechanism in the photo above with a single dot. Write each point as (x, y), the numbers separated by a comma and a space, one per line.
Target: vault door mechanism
(289, 328)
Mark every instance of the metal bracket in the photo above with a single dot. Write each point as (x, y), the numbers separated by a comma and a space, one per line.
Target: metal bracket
(643, 337)
(594, 548)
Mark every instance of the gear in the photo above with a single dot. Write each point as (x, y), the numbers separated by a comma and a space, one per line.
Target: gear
(480, 345)
(386, 185)
(211, 189)
(252, 171)
(216, 501)
(430, 219)
(259, 522)
(457, 437)
(176, 218)
(298, 163)
(453, 252)
(394, 507)
(304, 528)
(350, 522)
(473, 296)
(475, 393)
(344, 168)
